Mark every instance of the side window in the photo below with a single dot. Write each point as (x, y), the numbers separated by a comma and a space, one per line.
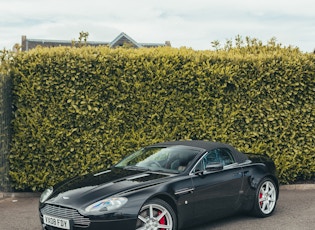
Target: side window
(226, 157)
(222, 156)
(210, 157)
(213, 156)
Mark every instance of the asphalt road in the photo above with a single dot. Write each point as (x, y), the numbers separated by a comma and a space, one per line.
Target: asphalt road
(295, 211)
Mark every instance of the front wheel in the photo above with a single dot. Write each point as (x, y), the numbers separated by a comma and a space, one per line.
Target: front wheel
(266, 198)
(156, 214)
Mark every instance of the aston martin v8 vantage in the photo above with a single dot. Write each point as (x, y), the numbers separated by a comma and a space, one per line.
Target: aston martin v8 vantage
(168, 185)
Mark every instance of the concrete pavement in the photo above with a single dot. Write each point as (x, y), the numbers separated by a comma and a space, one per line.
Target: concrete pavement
(295, 210)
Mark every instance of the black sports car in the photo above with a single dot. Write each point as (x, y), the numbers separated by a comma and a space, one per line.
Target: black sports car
(164, 186)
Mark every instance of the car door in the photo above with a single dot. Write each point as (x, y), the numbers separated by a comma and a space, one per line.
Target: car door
(216, 191)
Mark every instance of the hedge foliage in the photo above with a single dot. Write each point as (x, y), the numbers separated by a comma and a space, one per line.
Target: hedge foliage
(5, 118)
(82, 109)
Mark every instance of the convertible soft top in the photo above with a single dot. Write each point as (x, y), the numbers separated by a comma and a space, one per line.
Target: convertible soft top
(207, 146)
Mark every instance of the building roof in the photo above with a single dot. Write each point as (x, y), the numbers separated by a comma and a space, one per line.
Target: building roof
(121, 40)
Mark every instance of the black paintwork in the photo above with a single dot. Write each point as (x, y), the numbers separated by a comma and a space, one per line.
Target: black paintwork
(195, 197)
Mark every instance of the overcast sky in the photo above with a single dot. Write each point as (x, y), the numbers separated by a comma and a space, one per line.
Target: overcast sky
(190, 23)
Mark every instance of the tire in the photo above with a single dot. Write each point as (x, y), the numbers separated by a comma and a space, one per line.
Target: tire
(156, 214)
(265, 198)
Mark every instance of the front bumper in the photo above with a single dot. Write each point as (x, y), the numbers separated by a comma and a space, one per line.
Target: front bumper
(125, 224)
(79, 221)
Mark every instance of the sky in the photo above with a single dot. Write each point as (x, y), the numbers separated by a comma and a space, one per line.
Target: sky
(185, 23)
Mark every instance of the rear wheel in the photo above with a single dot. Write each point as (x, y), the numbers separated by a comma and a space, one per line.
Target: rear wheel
(266, 198)
(156, 214)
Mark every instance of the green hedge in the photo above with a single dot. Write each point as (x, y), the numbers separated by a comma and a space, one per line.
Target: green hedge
(81, 109)
(5, 118)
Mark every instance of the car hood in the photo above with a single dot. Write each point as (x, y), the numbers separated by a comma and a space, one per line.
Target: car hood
(83, 190)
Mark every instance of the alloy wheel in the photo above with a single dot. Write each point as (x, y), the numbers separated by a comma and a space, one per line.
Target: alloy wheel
(267, 197)
(154, 217)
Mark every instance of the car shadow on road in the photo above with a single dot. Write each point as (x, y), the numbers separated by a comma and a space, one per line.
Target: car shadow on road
(244, 221)
(223, 223)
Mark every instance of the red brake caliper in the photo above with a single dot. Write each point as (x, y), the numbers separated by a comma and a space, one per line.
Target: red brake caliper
(260, 196)
(162, 220)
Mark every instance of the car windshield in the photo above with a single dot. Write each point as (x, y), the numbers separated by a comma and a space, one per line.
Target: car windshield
(174, 159)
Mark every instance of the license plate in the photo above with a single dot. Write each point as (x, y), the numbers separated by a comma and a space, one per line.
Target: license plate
(56, 222)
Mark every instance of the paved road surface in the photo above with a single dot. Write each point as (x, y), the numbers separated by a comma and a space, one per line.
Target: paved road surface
(295, 211)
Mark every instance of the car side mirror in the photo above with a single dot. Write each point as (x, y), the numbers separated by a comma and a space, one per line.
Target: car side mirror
(213, 167)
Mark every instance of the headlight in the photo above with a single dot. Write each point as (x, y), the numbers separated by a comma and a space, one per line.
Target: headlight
(105, 205)
(46, 194)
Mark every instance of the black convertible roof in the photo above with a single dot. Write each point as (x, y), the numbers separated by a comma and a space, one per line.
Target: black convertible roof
(207, 146)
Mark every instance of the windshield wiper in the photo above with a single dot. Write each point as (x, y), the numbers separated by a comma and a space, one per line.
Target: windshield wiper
(137, 168)
(164, 171)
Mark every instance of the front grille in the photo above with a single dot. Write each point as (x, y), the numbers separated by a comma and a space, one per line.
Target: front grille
(66, 213)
